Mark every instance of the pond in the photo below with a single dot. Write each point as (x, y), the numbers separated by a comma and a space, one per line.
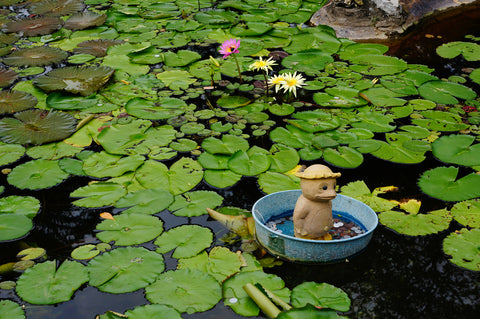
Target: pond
(148, 126)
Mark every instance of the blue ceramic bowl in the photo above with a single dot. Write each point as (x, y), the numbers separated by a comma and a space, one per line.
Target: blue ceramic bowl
(275, 205)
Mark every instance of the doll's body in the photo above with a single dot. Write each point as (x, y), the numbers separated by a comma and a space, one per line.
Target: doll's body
(312, 216)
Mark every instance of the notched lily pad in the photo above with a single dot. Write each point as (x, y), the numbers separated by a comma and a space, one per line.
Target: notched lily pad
(56, 8)
(320, 295)
(185, 240)
(37, 174)
(462, 245)
(96, 48)
(16, 101)
(84, 20)
(36, 127)
(34, 26)
(36, 56)
(83, 80)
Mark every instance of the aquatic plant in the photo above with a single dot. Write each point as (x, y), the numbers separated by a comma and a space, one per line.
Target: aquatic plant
(36, 56)
(230, 47)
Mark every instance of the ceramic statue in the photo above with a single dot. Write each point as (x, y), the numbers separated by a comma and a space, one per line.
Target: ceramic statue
(312, 216)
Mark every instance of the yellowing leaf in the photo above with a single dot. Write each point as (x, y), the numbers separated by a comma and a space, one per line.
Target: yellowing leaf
(412, 206)
(237, 224)
(106, 215)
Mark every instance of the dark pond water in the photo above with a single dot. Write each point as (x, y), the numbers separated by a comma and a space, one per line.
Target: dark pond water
(397, 276)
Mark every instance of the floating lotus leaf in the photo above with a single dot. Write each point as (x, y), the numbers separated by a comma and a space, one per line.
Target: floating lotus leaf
(235, 296)
(37, 174)
(34, 26)
(145, 201)
(221, 178)
(343, 156)
(220, 263)
(320, 295)
(462, 245)
(457, 149)
(271, 182)
(314, 40)
(84, 20)
(84, 80)
(283, 158)
(125, 269)
(291, 136)
(160, 109)
(467, 213)
(469, 50)
(359, 190)
(7, 77)
(313, 60)
(187, 290)
(383, 97)
(14, 226)
(374, 121)
(249, 163)
(176, 79)
(314, 121)
(228, 145)
(103, 164)
(442, 183)
(36, 127)
(185, 240)
(98, 194)
(52, 284)
(440, 121)
(475, 76)
(36, 56)
(181, 58)
(129, 229)
(216, 17)
(195, 203)
(339, 96)
(373, 64)
(15, 101)
(416, 224)
(444, 92)
(396, 151)
(10, 309)
(9, 153)
(85, 252)
(153, 311)
(56, 7)
(19, 205)
(97, 48)
(356, 49)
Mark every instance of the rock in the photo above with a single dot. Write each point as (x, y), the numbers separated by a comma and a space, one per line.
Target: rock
(378, 19)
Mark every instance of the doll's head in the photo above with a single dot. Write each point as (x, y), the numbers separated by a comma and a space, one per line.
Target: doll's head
(318, 183)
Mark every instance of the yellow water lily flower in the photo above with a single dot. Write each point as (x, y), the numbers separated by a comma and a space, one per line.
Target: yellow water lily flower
(261, 64)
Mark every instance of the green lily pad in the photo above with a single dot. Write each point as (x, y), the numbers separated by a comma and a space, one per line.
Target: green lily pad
(339, 96)
(176, 79)
(184, 145)
(184, 175)
(32, 253)
(36, 127)
(469, 50)
(145, 201)
(53, 151)
(229, 144)
(320, 295)
(231, 102)
(457, 149)
(440, 121)
(103, 164)
(283, 158)
(124, 270)
(463, 247)
(343, 156)
(181, 58)
(10, 153)
(161, 109)
(37, 174)
(220, 263)
(53, 285)
(185, 240)
(444, 92)
(442, 183)
(20, 205)
(186, 290)
(374, 64)
(195, 203)
(235, 296)
(85, 252)
(221, 178)
(396, 151)
(475, 76)
(375, 122)
(152, 311)
(271, 182)
(11, 310)
(316, 40)
(416, 224)
(467, 213)
(359, 190)
(355, 49)
(248, 163)
(384, 97)
(129, 229)
(291, 136)
(314, 121)
(307, 61)
(14, 226)
(309, 312)
(98, 194)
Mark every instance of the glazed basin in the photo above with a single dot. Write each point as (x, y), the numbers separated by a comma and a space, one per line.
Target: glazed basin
(301, 250)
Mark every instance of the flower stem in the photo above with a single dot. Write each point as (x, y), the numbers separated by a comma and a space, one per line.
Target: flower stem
(266, 83)
(238, 68)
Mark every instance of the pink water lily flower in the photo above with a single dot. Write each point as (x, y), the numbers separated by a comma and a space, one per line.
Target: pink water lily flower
(228, 47)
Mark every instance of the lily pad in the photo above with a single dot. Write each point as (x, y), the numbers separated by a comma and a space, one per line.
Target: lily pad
(56, 8)
(37, 174)
(457, 149)
(185, 240)
(10, 153)
(373, 64)
(85, 252)
(463, 247)
(186, 290)
(235, 296)
(220, 263)
(271, 182)
(343, 156)
(228, 145)
(103, 164)
(53, 285)
(469, 50)
(221, 178)
(124, 270)
(129, 229)
(195, 203)
(83, 80)
(444, 92)
(84, 20)
(321, 295)
(153, 311)
(307, 61)
(15, 101)
(34, 26)
(36, 127)
(161, 109)
(416, 224)
(98, 194)
(36, 56)
(467, 213)
(145, 201)
(359, 190)
(14, 226)
(440, 121)
(443, 183)
(248, 163)
(11, 310)
(7, 77)
(20, 205)
(231, 102)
